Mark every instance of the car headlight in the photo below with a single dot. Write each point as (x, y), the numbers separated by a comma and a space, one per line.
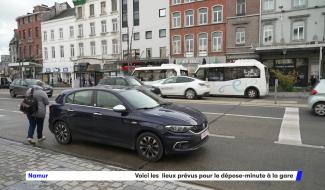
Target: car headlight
(178, 128)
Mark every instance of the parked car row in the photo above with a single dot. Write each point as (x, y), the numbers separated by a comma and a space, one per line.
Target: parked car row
(19, 87)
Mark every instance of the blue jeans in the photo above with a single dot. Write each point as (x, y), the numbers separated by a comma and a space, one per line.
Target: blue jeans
(33, 123)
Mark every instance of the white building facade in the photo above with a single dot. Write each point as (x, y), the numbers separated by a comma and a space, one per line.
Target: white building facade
(145, 31)
(59, 47)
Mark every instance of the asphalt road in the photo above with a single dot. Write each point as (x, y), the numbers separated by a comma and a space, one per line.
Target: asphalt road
(242, 138)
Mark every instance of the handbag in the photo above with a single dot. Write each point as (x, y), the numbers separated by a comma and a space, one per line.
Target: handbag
(29, 105)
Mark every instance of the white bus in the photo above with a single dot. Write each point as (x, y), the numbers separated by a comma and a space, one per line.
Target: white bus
(151, 74)
(248, 78)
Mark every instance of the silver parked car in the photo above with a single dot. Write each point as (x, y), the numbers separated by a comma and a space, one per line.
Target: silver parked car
(316, 100)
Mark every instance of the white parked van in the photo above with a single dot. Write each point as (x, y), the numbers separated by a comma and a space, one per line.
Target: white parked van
(246, 77)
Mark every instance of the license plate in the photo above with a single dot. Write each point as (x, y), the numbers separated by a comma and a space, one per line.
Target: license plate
(204, 134)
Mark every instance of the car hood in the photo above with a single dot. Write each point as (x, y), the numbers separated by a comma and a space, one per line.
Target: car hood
(175, 115)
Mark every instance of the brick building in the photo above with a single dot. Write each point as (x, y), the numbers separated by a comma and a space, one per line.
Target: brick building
(242, 29)
(197, 32)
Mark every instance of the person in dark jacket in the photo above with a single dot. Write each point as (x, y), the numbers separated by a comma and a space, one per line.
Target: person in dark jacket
(36, 120)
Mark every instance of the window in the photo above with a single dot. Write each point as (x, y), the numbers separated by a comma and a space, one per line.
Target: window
(203, 42)
(79, 13)
(189, 20)
(114, 23)
(170, 80)
(52, 34)
(115, 46)
(136, 36)
(183, 80)
(103, 8)
(71, 50)
(104, 47)
(92, 29)
(298, 30)
(176, 20)
(61, 33)
(299, 3)
(268, 5)
(162, 12)
(36, 32)
(121, 81)
(92, 48)
(148, 34)
(216, 41)
(268, 34)
(188, 1)
(217, 14)
(114, 5)
(189, 44)
(148, 53)
(176, 45)
(107, 100)
(91, 10)
(30, 33)
(124, 13)
(162, 52)
(45, 36)
(125, 37)
(203, 16)
(251, 72)
(136, 13)
(241, 7)
(61, 51)
(71, 32)
(46, 55)
(83, 98)
(80, 30)
(81, 49)
(162, 33)
(53, 52)
(24, 34)
(176, 2)
(240, 36)
(104, 28)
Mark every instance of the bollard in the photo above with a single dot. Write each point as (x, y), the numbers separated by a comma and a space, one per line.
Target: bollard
(276, 90)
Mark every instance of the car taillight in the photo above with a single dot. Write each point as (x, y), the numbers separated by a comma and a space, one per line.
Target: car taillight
(313, 92)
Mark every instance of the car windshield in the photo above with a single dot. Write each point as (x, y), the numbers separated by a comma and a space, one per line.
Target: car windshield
(134, 82)
(140, 99)
(35, 82)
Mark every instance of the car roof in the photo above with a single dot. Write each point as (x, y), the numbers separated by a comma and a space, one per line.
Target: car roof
(115, 88)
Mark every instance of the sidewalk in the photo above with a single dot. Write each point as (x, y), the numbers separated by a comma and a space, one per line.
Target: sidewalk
(17, 158)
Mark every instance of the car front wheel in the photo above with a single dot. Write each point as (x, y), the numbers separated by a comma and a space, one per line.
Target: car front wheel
(149, 147)
(319, 109)
(62, 133)
(190, 94)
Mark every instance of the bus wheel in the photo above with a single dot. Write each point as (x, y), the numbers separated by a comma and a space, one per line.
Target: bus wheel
(252, 93)
(190, 94)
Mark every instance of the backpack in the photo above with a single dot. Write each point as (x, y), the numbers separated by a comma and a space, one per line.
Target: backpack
(29, 105)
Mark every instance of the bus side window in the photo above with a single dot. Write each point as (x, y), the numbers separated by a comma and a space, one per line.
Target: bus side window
(215, 74)
(201, 74)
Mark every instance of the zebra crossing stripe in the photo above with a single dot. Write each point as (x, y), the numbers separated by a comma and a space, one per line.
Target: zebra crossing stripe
(290, 128)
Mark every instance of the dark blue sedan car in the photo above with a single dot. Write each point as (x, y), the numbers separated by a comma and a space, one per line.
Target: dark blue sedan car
(130, 118)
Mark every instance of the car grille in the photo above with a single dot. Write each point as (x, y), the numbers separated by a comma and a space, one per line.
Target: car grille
(199, 128)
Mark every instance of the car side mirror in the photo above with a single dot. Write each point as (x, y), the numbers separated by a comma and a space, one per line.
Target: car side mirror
(119, 108)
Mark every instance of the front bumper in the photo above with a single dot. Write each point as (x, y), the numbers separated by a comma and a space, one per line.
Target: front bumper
(184, 142)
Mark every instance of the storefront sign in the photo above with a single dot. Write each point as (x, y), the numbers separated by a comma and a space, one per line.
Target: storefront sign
(284, 63)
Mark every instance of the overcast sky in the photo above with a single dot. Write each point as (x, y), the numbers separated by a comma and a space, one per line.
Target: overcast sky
(10, 10)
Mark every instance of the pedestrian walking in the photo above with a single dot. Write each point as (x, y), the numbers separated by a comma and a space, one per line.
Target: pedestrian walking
(36, 120)
(313, 81)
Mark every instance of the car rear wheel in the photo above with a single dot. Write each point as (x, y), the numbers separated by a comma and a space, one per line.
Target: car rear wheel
(12, 94)
(149, 147)
(252, 93)
(62, 133)
(190, 94)
(319, 109)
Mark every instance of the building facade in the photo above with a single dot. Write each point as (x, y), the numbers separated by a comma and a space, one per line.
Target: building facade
(59, 47)
(197, 32)
(242, 29)
(97, 34)
(145, 32)
(292, 37)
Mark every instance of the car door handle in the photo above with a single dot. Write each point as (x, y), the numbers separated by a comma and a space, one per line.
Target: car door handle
(97, 114)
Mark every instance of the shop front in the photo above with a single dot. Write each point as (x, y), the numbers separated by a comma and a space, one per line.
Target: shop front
(86, 74)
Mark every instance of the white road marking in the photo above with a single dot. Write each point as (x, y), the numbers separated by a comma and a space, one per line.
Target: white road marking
(1, 115)
(248, 116)
(302, 145)
(222, 136)
(290, 128)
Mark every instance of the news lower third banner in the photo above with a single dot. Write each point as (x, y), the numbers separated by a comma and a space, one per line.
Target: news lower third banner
(163, 175)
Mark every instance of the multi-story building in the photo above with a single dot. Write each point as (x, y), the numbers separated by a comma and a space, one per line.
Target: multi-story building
(145, 32)
(13, 48)
(292, 37)
(242, 29)
(59, 47)
(197, 32)
(97, 33)
(29, 56)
